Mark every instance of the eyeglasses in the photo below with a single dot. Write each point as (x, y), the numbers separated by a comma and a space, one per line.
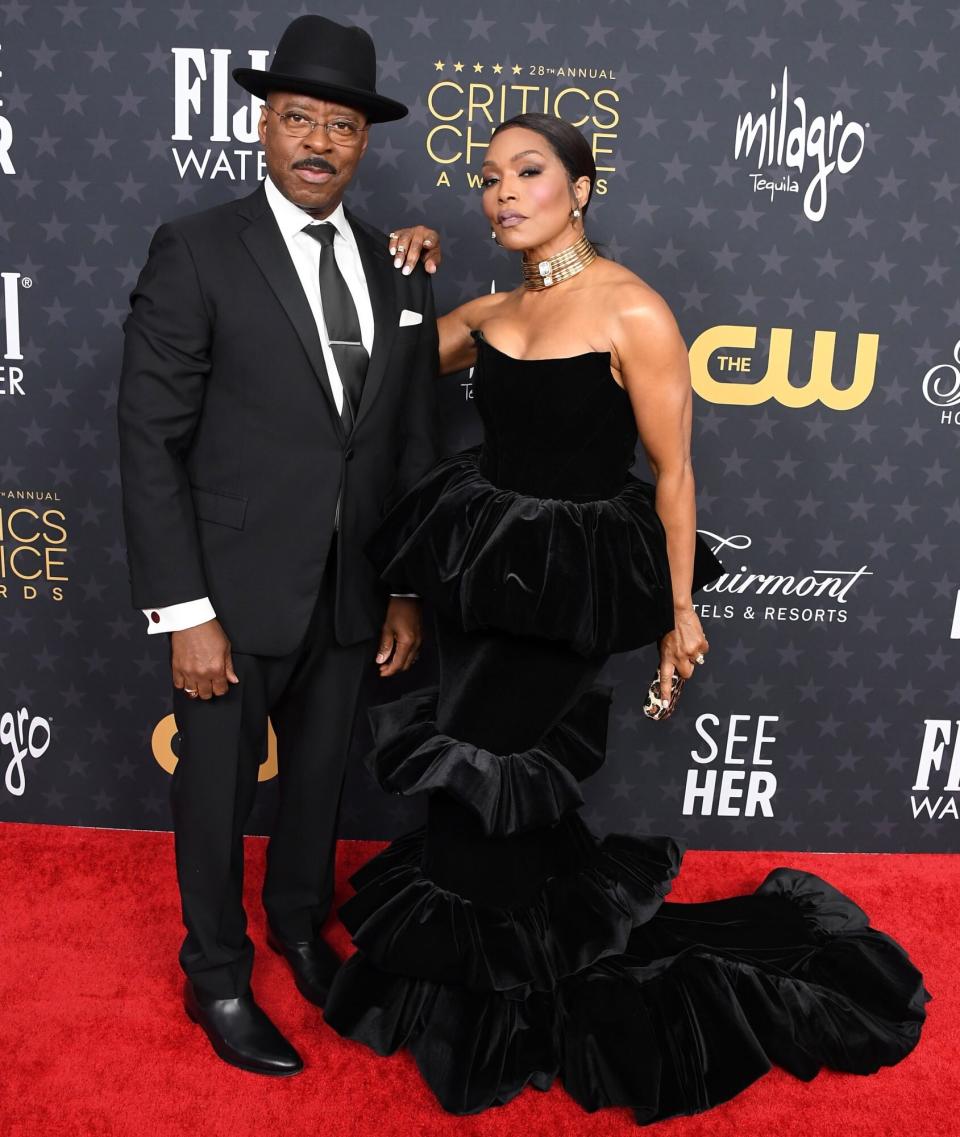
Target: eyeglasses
(342, 131)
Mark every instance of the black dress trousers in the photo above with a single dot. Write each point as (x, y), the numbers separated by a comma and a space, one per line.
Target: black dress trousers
(311, 697)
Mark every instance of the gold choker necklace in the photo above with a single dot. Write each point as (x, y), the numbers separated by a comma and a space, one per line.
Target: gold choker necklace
(538, 275)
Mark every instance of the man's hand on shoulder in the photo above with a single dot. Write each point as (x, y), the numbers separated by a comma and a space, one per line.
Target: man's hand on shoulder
(201, 662)
(408, 246)
(400, 637)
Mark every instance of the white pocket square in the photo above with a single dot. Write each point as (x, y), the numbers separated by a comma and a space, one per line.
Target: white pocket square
(407, 318)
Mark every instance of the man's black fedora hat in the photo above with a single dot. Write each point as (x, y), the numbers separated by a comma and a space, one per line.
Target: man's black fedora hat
(318, 57)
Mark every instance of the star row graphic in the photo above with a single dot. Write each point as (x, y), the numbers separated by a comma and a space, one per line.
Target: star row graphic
(495, 68)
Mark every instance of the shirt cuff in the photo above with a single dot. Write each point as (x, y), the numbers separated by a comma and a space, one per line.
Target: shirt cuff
(178, 617)
(406, 595)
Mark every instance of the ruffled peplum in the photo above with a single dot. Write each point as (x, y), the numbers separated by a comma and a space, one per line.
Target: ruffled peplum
(702, 1001)
(592, 574)
(597, 979)
(407, 924)
(508, 793)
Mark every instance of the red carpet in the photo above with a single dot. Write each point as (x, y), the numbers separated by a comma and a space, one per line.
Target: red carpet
(93, 1041)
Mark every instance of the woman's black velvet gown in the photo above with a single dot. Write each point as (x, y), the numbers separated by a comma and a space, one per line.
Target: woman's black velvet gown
(503, 943)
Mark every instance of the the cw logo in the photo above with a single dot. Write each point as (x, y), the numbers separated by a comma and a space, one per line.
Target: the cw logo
(166, 731)
(775, 383)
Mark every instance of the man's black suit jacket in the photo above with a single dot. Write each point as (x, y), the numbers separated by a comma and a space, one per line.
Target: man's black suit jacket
(232, 453)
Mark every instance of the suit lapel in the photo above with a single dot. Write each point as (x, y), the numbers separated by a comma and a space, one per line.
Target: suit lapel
(266, 245)
(381, 284)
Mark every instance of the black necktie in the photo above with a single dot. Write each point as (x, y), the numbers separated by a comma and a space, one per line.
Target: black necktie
(342, 324)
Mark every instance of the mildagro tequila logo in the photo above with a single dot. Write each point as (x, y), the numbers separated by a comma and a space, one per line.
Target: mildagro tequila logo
(469, 99)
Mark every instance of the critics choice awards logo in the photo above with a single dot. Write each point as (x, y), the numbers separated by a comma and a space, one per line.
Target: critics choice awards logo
(33, 545)
(469, 99)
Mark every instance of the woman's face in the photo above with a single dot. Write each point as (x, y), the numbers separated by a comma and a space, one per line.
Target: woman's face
(527, 197)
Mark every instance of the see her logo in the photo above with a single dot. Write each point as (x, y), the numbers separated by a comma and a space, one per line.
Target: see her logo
(6, 141)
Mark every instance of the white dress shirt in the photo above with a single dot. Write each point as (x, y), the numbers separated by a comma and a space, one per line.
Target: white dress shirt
(305, 253)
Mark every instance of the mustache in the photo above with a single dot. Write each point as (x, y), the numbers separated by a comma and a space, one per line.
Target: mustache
(315, 163)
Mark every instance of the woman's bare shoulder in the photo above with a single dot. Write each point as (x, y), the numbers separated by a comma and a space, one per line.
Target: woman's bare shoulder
(638, 321)
(629, 297)
(476, 312)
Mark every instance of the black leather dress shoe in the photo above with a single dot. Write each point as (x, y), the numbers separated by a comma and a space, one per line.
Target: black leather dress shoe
(242, 1034)
(313, 963)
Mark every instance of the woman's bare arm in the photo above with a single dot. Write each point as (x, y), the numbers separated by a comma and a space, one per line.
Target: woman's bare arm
(458, 350)
(653, 363)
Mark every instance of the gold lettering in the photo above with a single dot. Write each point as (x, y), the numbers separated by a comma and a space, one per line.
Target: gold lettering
(49, 563)
(162, 745)
(775, 382)
(433, 110)
(598, 150)
(558, 99)
(473, 105)
(614, 112)
(15, 554)
(58, 540)
(436, 157)
(14, 534)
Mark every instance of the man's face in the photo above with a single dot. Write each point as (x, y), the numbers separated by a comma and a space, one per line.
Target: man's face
(312, 172)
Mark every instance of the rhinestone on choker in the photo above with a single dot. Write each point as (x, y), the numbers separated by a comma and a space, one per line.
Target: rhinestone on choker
(538, 275)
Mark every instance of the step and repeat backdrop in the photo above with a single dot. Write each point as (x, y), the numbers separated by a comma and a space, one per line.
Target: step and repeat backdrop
(784, 172)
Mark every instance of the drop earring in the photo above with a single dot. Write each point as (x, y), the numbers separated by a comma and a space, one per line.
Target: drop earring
(574, 213)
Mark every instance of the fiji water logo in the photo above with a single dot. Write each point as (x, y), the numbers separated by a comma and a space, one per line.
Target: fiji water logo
(939, 764)
(22, 736)
(201, 101)
(10, 297)
(830, 143)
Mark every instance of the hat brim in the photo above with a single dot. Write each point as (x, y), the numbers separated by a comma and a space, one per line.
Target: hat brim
(375, 107)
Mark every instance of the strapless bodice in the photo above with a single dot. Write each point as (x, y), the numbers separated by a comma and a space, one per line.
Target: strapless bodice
(553, 428)
(542, 530)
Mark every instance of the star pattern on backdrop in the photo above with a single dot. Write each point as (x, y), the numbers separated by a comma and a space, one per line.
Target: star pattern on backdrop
(88, 93)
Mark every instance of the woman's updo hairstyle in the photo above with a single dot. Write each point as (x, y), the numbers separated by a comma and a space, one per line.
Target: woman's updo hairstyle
(565, 141)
